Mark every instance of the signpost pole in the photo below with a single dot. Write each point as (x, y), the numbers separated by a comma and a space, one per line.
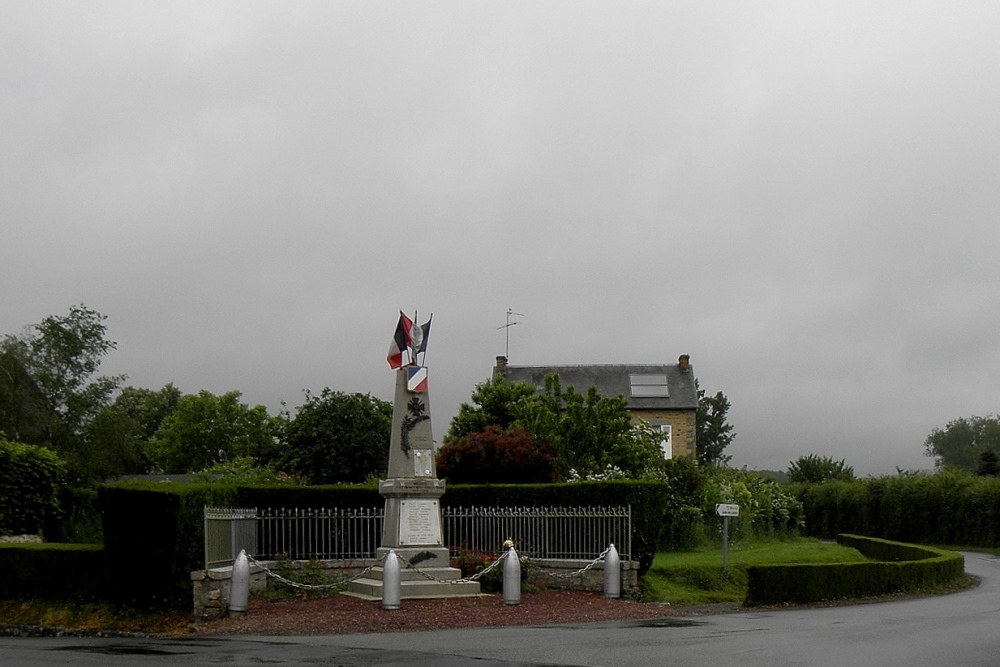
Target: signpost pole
(725, 544)
(726, 510)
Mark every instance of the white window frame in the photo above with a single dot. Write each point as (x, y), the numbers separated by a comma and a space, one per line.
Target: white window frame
(667, 443)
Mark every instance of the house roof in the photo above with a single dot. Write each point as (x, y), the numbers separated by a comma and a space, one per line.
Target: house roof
(614, 379)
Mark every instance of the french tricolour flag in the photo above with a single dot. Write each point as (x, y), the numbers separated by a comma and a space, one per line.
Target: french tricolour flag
(416, 379)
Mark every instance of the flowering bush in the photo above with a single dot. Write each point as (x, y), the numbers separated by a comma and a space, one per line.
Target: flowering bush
(766, 508)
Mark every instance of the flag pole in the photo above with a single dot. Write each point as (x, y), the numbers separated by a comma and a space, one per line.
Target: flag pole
(426, 336)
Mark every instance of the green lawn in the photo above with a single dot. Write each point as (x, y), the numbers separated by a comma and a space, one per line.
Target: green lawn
(696, 577)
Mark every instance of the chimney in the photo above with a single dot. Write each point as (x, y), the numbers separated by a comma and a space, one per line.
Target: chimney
(501, 367)
(684, 361)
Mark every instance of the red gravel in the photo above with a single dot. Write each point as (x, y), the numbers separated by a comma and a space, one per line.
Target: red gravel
(342, 614)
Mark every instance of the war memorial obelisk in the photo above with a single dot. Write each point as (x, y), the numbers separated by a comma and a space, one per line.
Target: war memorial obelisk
(412, 491)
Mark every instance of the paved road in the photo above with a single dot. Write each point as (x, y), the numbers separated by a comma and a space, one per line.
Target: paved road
(959, 629)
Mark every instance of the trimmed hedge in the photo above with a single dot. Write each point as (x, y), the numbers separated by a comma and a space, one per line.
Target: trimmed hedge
(79, 519)
(154, 532)
(944, 508)
(52, 572)
(899, 568)
(154, 537)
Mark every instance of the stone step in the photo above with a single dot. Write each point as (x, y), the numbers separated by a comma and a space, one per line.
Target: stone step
(408, 574)
(371, 589)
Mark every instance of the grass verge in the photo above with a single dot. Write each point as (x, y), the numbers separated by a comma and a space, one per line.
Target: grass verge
(696, 577)
(91, 617)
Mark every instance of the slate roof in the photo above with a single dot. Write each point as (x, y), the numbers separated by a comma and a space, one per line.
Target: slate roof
(613, 379)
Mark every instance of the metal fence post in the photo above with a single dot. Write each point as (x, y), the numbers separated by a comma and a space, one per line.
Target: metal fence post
(612, 573)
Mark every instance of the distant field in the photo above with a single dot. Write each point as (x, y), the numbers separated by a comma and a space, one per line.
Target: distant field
(696, 577)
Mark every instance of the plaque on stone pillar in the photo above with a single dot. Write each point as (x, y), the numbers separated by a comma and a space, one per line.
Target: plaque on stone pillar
(419, 522)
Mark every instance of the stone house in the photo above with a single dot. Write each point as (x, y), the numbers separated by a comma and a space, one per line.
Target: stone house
(663, 395)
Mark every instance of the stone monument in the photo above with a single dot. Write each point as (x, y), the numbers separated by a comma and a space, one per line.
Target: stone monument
(412, 491)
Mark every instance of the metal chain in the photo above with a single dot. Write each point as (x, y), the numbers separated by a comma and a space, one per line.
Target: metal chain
(473, 577)
(589, 566)
(313, 587)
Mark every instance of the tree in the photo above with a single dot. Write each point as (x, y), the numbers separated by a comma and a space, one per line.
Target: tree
(30, 477)
(120, 434)
(496, 456)
(815, 469)
(48, 387)
(712, 433)
(590, 434)
(989, 465)
(962, 442)
(338, 437)
(206, 429)
(494, 403)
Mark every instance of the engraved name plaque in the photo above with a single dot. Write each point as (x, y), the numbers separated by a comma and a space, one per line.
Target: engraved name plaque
(419, 522)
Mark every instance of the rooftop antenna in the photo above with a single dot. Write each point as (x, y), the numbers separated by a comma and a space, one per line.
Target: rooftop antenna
(506, 329)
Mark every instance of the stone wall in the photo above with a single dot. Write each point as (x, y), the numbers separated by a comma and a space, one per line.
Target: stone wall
(553, 573)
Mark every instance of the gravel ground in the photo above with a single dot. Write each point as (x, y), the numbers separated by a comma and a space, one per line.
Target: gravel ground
(342, 614)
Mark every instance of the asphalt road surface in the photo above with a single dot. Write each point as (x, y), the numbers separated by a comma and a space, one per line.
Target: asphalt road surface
(960, 629)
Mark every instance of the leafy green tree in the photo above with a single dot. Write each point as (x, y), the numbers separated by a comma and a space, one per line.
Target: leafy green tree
(712, 433)
(23, 416)
(49, 390)
(244, 470)
(494, 403)
(120, 434)
(816, 469)
(30, 477)
(206, 429)
(989, 465)
(338, 437)
(496, 456)
(962, 442)
(591, 435)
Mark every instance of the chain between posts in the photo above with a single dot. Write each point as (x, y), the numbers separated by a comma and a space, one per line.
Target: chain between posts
(475, 577)
(500, 559)
(314, 587)
(583, 569)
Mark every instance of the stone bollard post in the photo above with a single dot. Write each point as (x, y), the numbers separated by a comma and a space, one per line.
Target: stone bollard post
(391, 587)
(239, 593)
(512, 578)
(612, 573)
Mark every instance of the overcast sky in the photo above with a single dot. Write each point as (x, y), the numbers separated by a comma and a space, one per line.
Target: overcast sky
(801, 196)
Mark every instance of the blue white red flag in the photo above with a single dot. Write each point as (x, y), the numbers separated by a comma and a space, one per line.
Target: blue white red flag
(416, 379)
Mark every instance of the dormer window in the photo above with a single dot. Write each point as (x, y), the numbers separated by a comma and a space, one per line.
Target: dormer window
(647, 385)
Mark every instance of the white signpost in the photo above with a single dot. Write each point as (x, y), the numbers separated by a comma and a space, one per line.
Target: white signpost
(726, 510)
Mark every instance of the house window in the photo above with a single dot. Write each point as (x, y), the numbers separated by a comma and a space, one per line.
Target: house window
(666, 444)
(653, 384)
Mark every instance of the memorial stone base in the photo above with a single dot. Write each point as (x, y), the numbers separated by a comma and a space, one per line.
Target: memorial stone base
(413, 530)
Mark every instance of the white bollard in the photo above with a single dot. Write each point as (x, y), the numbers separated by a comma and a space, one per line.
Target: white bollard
(612, 573)
(239, 593)
(512, 578)
(391, 591)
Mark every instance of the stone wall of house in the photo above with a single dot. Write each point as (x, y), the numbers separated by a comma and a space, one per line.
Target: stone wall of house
(682, 424)
(212, 588)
